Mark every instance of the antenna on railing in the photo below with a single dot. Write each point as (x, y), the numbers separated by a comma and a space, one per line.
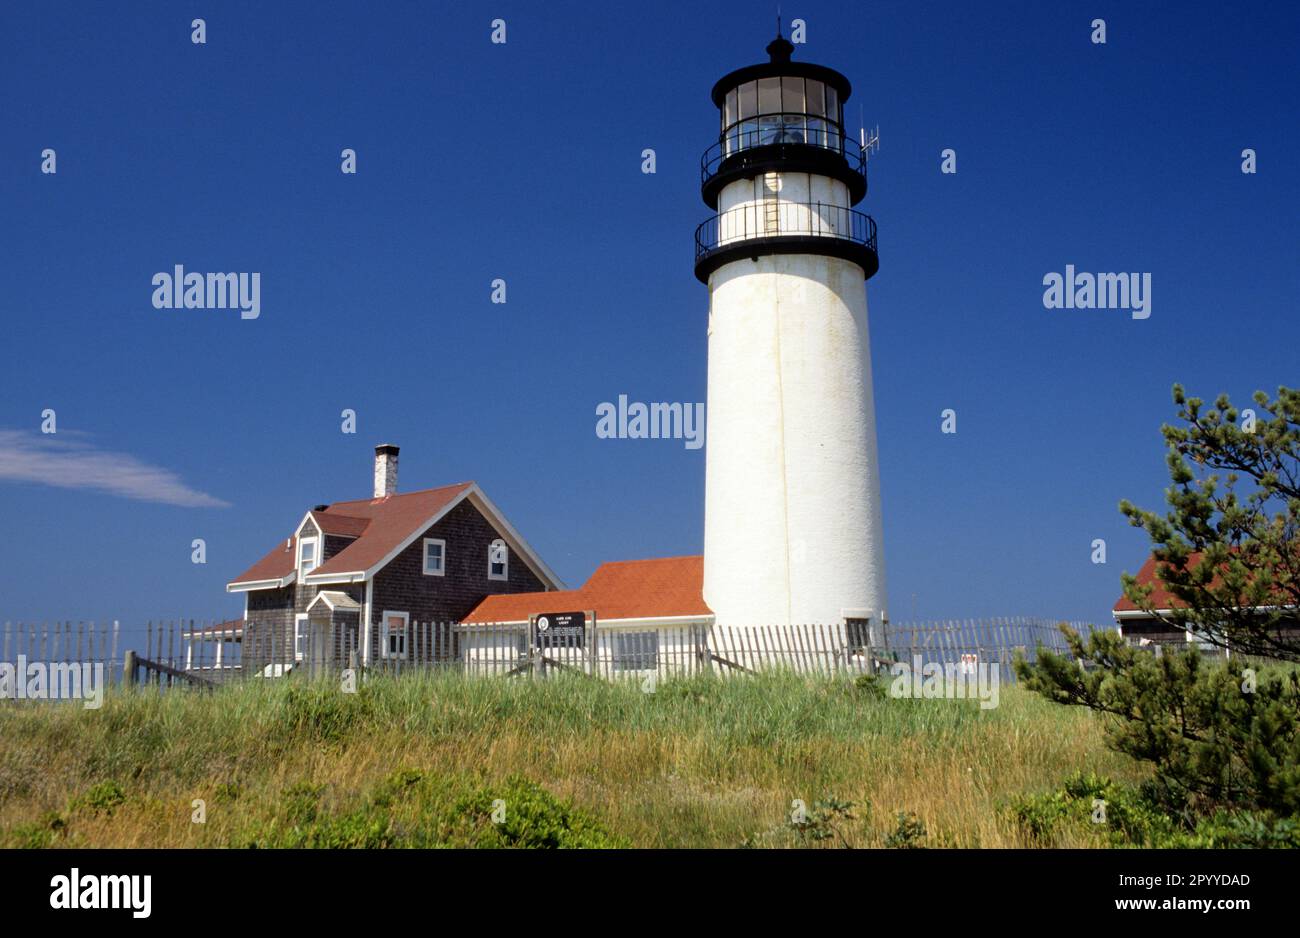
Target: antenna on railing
(870, 142)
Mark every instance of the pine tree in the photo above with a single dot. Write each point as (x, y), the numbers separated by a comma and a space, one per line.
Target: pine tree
(1229, 546)
(1221, 735)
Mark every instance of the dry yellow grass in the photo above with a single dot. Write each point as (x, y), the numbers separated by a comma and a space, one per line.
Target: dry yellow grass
(704, 763)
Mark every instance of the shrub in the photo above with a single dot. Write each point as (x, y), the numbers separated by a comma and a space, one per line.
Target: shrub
(533, 817)
(909, 832)
(1091, 806)
(823, 822)
(869, 685)
(99, 799)
(1133, 817)
(36, 835)
(322, 713)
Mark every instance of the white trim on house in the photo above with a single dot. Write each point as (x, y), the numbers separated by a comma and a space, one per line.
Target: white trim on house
(316, 548)
(250, 585)
(366, 612)
(1139, 613)
(499, 552)
(383, 634)
(300, 637)
(512, 537)
(305, 518)
(1143, 614)
(442, 557)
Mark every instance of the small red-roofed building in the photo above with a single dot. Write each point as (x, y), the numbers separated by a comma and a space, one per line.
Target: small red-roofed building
(650, 613)
(1142, 628)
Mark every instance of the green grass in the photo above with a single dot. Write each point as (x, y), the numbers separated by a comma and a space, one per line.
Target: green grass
(420, 761)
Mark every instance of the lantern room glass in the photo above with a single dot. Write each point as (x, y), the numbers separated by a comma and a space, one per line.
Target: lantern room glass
(781, 109)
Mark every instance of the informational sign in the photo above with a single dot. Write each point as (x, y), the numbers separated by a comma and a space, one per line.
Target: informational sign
(559, 629)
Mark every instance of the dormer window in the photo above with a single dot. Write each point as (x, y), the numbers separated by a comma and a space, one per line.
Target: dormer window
(308, 555)
(435, 556)
(498, 560)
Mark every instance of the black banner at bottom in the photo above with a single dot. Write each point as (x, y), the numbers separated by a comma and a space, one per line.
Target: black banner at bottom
(187, 887)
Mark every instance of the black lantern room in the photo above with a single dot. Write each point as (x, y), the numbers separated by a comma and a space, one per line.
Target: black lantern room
(783, 116)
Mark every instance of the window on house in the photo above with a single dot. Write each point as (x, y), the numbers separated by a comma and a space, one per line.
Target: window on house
(392, 639)
(498, 560)
(308, 558)
(435, 556)
(636, 651)
(301, 623)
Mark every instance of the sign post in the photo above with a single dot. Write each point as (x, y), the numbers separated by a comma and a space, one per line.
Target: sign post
(558, 630)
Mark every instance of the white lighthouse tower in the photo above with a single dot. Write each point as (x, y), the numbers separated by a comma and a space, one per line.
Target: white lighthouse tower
(792, 530)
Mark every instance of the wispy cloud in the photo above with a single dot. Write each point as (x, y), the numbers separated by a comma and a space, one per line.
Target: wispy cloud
(67, 460)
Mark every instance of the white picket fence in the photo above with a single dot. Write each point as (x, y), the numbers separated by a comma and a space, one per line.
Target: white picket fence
(192, 652)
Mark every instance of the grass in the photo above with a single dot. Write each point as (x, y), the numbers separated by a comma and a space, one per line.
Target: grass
(421, 760)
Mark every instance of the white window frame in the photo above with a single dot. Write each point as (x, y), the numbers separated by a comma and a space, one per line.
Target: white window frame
(315, 554)
(505, 560)
(384, 651)
(441, 571)
(300, 635)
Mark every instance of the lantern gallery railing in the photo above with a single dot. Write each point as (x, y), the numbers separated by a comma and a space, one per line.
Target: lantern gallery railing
(777, 219)
(779, 130)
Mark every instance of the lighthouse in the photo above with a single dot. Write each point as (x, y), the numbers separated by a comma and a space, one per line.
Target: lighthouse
(792, 531)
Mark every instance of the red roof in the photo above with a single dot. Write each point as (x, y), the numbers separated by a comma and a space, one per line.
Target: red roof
(378, 526)
(276, 565)
(1161, 598)
(332, 522)
(388, 522)
(623, 589)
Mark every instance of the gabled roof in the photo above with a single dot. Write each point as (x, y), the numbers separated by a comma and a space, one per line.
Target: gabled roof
(334, 600)
(380, 528)
(386, 523)
(665, 587)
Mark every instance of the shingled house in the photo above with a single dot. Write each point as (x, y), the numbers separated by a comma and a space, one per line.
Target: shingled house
(1142, 628)
(390, 561)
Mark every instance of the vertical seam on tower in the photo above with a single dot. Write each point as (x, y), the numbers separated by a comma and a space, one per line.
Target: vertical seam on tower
(780, 397)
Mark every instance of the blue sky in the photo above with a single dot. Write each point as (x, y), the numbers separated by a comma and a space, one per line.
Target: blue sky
(523, 161)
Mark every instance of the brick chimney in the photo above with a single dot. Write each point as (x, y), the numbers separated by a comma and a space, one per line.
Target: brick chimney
(385, 470)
